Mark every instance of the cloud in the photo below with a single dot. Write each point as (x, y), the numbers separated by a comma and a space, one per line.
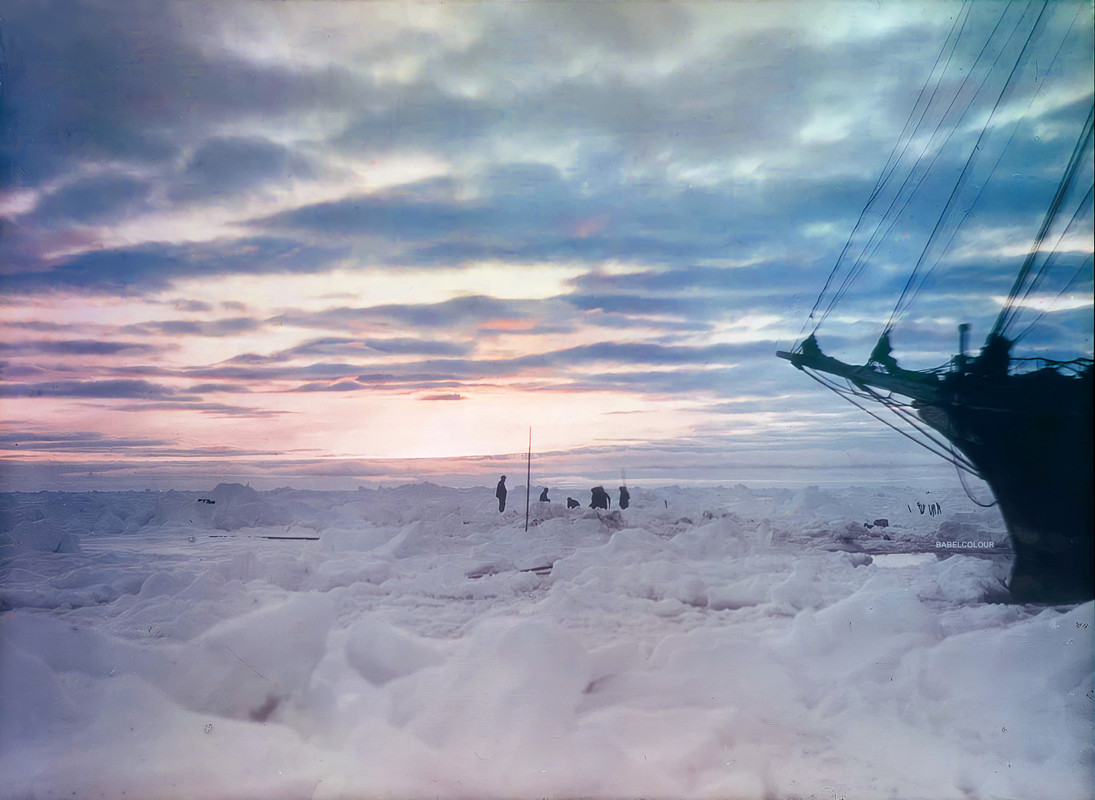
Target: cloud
(700, 164)
(82, 347)
(79, 441)
(91, 81)
(212, 388)
(339, 386)
(567, 366)
(94, 389)
(342, 347)
(479, 315)
(223, 166)
(421, 211)
(155, 266)
(211, 327)
(212, 409)
(103, 198)
(95, 442)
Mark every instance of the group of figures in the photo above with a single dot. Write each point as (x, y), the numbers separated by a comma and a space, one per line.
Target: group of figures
(598, 497)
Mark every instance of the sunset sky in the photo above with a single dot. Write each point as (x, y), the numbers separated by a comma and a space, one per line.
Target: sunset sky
(328, 244)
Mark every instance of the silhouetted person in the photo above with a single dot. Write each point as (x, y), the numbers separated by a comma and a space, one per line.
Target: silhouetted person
(544, 497)
(883, 355)
(625, 497)
(599, 498)
(572, 503)
(994, 359)
(500, 493)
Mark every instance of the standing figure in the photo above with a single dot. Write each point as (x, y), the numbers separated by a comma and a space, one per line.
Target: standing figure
(500, 493)
(544, 497)
(599, 498)
(625, 497)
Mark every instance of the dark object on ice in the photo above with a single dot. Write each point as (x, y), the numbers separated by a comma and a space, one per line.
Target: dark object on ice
(1023, 425)
(600, 498)
(544, 497)
(541, 570)
(933, 509)
(882, 523)
(572, 503)
(266, 710)
(625, 497)
(612, 521)
(500, 493)
(206, 500)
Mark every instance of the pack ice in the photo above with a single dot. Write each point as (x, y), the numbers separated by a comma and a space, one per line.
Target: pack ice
(413, 642)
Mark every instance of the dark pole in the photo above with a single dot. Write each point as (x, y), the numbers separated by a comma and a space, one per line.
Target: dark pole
(528, 476)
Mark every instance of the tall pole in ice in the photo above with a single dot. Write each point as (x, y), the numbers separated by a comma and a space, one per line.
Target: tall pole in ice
(528, 476)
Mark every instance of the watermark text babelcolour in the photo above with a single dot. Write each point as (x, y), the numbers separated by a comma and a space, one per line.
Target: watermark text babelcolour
(965, 545)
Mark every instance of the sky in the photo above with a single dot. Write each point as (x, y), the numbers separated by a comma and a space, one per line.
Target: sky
(339, 244)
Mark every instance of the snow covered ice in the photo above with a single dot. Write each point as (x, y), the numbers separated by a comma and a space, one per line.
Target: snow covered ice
(413, 642)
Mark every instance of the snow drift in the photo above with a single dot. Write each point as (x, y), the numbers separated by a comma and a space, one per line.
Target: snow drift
(411, 642)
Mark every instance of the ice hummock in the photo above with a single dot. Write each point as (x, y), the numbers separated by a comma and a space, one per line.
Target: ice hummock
(410, 642)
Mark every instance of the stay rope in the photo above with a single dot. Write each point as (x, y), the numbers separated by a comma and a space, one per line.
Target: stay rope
(1006, 313)
(896, 156)
(963, 178)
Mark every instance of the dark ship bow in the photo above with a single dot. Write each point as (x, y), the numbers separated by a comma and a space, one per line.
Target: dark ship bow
(1027, 435)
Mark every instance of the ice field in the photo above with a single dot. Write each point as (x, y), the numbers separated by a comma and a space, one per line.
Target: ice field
(412, 642)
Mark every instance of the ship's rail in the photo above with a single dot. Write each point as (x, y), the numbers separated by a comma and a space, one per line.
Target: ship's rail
(1074, 366)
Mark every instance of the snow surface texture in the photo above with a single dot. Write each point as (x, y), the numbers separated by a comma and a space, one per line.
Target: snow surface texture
(703, 643)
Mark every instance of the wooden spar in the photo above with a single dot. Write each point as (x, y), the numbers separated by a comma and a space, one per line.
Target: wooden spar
(926, 391)
(528, 476)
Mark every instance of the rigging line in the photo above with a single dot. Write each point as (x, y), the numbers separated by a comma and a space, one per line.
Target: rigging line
(863, 258)
(984, 185)
(1077, 274)
(959, 25)
(1009, 309)
(969, 494)
(1051, 212)
(846, 395)
(963, 17)
(964, 176)
(1051, 258)
(1055, 250)
(903, 410)
(1011, 138)
(928, 143)
(944, 451)
(944, 454)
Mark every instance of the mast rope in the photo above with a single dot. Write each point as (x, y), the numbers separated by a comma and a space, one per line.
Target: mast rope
(897, 190)
(866, 256)
(1003, 319)
(949, 46)
(1082, 212)
(917, 172)
(984, 184)
(943, 451)
(963, 178)
(969, 494)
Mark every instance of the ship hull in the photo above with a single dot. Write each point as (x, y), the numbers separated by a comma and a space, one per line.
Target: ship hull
(1030, 438)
